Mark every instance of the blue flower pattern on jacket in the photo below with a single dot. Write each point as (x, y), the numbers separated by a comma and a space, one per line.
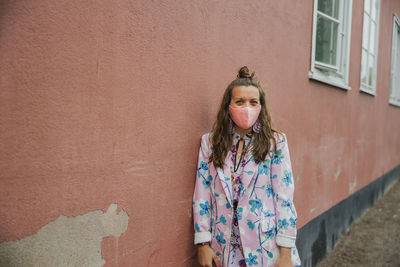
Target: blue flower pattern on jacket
(292, 222)
(283, 224)
(220, 238)
(251, 259)
(205, 208)
(269, 235)
(255, 204)
(239, 213)
(250, 224)
(203, 166)
(222, 219)
(277, 158)
(287, 179)
(207, 182)
(264, 167)
(269, 190)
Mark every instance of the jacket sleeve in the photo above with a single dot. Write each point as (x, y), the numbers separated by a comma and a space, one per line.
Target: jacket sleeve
(283, 187)
(202, 195)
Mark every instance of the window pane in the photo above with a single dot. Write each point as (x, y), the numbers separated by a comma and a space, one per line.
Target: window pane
(364, 67)
(329, 7)
(326, 40)
(370, 69)
(367, 6)
(372, 37)
(365, 31)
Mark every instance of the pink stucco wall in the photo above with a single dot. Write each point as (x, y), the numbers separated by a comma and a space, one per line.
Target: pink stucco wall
(105, 102)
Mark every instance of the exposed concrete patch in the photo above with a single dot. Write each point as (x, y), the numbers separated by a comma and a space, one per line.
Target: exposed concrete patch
(66, 241)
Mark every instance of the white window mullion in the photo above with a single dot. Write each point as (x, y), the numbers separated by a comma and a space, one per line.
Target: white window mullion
(340, 38)
(376, 46)
(370, 42)
(321, 14)
(368, 45)
(395, 66)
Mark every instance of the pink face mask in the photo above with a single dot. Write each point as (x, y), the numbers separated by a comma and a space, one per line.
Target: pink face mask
(244, 117)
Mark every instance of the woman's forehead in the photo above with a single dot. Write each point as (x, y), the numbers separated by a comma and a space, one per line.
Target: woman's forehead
(245, 92)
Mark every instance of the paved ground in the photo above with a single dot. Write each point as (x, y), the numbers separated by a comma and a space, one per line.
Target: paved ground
(374, 240)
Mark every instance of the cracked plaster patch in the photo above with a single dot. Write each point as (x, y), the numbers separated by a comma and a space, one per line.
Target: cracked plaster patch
(66, 241)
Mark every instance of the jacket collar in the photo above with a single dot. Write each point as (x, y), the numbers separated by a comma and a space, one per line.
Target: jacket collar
(236, 136)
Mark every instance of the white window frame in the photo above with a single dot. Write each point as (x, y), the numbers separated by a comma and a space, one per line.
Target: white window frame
(365, 87)
(395, 91)
(338, 77)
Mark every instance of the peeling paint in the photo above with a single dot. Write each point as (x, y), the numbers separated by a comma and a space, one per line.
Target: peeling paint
(312, 210)
(138, 168)
(67, 241)
(337, 173)
(353, 185)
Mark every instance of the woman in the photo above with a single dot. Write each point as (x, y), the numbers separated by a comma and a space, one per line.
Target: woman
(243, 200)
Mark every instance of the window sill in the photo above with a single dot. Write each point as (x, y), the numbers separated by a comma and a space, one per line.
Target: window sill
(394, 103)
(324, 79)
(368, 91)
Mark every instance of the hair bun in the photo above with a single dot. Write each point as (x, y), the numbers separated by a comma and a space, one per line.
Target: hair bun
(245, 73)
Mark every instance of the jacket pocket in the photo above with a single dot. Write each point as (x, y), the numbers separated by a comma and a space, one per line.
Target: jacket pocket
(268, 224)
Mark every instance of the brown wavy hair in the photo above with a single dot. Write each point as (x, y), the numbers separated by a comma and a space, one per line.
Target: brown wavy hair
(221, 136)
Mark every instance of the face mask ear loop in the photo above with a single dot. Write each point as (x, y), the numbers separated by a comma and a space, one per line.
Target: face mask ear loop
(257, 127)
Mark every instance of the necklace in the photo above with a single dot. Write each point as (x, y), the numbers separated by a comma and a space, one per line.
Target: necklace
(237, 164)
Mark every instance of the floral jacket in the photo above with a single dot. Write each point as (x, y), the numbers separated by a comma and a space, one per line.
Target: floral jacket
(266, 213)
